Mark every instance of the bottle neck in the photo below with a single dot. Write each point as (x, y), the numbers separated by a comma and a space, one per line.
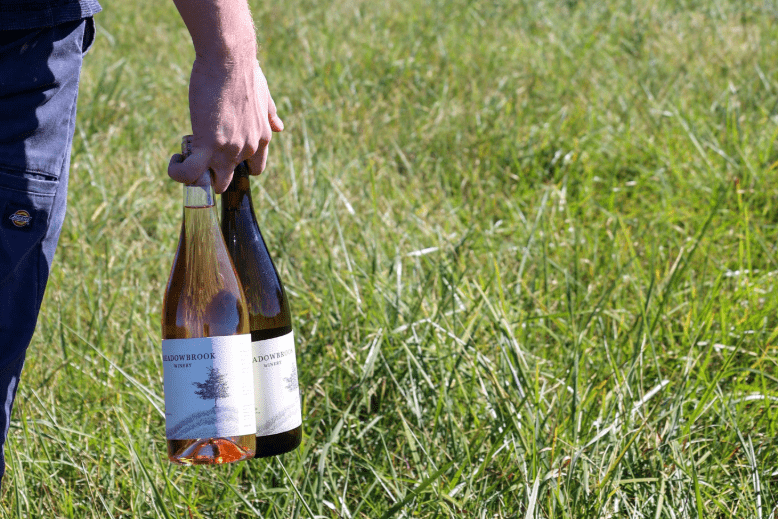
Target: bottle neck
(199, 194)
(237, 197)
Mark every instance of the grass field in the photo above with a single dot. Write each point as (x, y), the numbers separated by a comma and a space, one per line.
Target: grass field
(530, 248)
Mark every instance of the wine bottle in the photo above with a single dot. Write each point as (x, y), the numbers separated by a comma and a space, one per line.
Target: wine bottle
(278, 412)
(206, 343)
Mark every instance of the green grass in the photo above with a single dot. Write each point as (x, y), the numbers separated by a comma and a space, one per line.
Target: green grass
(530, 248)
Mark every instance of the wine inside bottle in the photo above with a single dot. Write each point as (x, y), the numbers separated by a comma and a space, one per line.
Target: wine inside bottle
(278, 411)
(206, 342)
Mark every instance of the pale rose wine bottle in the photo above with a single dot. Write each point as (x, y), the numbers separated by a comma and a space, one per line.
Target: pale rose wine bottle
(206, 342)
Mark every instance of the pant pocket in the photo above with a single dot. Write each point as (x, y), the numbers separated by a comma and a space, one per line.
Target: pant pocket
(25, 209)
(89, 35)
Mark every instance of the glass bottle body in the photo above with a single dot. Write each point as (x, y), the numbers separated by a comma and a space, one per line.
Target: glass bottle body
(205, 317)
(279, 418)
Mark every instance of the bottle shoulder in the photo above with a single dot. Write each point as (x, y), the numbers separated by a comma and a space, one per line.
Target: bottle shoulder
(203, 297)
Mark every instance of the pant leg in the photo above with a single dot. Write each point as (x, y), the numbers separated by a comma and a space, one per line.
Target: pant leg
(39, 74)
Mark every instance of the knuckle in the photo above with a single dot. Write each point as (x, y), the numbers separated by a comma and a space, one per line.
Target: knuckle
(250, 149)
(220, 141)
(232, 150)
(226, 147)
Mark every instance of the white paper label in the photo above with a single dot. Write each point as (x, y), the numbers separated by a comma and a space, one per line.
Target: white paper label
(209, 387)
(277, 399)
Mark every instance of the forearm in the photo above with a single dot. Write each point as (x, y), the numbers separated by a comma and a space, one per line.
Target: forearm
(222, 30)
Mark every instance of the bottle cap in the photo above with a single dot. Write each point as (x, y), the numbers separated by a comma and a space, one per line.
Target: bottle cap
(186, 145)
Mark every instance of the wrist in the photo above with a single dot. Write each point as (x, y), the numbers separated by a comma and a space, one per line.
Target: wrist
(227, 49)
(222, 31)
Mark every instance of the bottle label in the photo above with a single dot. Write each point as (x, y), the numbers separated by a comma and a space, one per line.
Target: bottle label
(277, 399)
(209, 387)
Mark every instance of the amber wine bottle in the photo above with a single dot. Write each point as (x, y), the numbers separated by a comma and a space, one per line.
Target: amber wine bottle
(278, 412)
(206, 344)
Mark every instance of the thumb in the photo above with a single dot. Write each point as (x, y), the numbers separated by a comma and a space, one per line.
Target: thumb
(190, 170)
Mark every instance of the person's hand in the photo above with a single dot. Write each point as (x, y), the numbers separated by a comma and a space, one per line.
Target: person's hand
(233, 119)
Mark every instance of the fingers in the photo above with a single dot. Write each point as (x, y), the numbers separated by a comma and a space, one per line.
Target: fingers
(276, 124)
(221, 180)
(190, 170)
(193, 170)
(258, 161)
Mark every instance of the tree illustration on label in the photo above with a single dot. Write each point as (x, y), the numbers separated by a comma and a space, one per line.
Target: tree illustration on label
(291, 381)
(281, 414)
(198, 422)
(214, 387)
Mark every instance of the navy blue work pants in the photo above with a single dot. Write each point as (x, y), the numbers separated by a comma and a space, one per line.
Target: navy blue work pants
(39, 74)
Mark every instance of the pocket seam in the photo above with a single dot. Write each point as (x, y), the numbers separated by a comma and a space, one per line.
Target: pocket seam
(6, 167)
(35, 186)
